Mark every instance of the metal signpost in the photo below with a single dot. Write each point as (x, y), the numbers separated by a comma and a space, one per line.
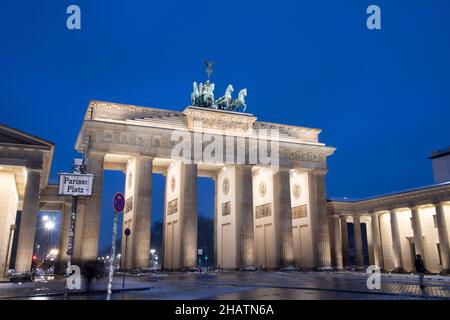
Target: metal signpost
(118, 205)
(78, 183)
(127, 234)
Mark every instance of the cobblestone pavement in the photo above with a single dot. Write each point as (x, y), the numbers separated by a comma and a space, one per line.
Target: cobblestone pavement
(273, 285)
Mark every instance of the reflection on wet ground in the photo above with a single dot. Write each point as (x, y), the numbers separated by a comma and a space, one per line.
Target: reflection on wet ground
(279, 285)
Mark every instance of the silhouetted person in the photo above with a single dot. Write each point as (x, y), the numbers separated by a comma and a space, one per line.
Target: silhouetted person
(90, 273)
(420, 269)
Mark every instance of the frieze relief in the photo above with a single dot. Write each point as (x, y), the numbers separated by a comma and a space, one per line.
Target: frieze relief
(172, 206)
(302, 156)
(264, 210)
(152, 141)
(226, 208)
(200, 119)
(299, 212)
(128, 205)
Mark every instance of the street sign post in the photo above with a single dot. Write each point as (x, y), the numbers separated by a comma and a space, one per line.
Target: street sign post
(118, 205)
(78, 183)
(127, 233)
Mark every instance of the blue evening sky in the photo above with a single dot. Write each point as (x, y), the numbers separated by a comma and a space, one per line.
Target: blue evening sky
(381, 97)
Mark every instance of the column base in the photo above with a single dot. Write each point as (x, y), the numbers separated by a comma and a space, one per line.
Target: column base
(399, 270)
(324, 269)
(288, 268)
(445, 271)
(249, 268)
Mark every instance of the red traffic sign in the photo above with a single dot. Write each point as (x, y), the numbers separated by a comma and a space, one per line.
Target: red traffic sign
(127, 232)
(119, 202)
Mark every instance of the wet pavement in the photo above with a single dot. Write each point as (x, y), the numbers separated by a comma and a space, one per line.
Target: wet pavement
(273, 285)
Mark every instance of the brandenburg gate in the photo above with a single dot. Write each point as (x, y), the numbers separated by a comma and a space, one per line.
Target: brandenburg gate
(270, 201)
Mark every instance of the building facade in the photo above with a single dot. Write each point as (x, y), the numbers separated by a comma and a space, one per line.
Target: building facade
(271, 208)
(397, 226)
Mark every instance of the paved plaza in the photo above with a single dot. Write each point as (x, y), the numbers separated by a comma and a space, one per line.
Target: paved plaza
(244, 286)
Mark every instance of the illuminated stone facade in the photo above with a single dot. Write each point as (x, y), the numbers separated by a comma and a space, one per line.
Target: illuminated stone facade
(253, 222)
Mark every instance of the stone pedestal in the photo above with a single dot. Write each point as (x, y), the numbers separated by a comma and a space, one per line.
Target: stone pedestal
(89, 246)
(28, 219)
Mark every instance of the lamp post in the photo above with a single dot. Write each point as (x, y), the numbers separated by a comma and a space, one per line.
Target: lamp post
(78, 183)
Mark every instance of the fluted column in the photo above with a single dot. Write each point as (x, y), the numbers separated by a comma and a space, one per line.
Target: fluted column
(244, 209)
(189, 213)
(396, 242)
(89, 246)
(28, 219)
(376, 241)
(358, 241)
(344, 237)
(337, 243)
(417, 230)
(282, 201)
(319, 218)
(142, 212)
(443, 237)
(216, 190)
(64, 239)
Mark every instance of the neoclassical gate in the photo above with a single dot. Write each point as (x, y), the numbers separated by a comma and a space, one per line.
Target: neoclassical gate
(270, 208)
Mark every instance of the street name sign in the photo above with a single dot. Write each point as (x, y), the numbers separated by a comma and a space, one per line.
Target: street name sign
(75, 184)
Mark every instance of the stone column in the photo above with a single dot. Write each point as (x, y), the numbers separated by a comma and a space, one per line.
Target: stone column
(28, 219)
(337, 243)
(216, 190)
(244, 205)
(89, 246)
(443, 237)
(344, 236)
(189, 214)
(64, 239)
(376, 241)
(282, 203)
(417, 230)
(396, 242)
(142, 212)
(358, 241)
(319, 219)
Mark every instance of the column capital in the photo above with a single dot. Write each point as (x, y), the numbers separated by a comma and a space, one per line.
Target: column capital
(319, 172)
(35, 170)
(438, 203)
(374, 213)
(95, 154)
(145, 157)
(414, 207)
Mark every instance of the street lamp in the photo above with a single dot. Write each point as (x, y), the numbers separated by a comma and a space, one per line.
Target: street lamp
(49, 225)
